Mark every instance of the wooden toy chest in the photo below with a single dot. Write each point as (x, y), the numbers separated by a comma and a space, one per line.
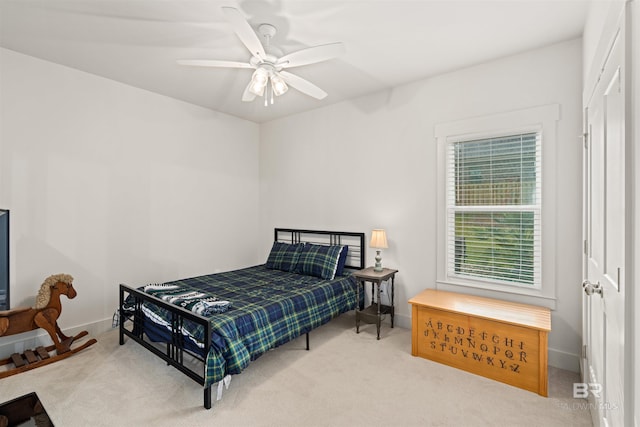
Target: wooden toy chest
(500, 340)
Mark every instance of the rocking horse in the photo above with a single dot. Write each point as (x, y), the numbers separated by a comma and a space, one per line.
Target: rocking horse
(45, 315)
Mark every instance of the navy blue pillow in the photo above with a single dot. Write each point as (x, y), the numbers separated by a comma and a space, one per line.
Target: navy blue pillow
(319, 260)
(342, 260)
(284, 256)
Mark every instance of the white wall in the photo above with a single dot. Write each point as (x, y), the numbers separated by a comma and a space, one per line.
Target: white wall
(114, 184)
(371, 162)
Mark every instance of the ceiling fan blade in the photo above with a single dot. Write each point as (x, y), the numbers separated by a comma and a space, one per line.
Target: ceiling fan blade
(302, 85)
(311, 55)
(244, 32)
(248, 96)
(214, 63)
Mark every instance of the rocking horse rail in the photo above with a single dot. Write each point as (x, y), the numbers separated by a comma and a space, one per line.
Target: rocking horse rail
(45, 316)
(174, 354)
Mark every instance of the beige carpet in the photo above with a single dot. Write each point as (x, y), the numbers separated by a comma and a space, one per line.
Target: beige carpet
(346, 379)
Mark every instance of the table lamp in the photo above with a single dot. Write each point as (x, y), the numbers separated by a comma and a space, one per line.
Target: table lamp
(378, 241)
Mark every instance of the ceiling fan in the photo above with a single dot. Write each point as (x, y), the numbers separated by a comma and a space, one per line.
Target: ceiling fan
(270, 77)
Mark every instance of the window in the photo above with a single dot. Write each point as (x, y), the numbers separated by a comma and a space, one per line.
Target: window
(493, 209)
(496, 223)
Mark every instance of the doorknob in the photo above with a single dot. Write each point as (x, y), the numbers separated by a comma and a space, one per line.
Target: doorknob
(592, 288)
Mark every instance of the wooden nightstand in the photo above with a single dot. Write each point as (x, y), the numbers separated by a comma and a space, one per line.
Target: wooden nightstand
(373, 313)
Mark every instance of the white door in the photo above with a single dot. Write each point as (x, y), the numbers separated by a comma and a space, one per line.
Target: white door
(604, 367)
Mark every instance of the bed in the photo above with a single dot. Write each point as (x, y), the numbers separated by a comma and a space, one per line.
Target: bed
(211, 327)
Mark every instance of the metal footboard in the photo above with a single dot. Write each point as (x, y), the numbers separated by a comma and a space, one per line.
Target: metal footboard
(132, 325)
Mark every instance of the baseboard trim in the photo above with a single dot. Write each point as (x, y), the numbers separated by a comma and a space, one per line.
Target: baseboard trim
(402, 321)
(563, 360)
(32, 339)
(18, 343)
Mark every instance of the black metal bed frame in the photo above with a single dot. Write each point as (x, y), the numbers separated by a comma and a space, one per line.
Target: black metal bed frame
(175, 350)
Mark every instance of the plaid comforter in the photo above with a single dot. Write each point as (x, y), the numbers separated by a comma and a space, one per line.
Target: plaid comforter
(268, 308)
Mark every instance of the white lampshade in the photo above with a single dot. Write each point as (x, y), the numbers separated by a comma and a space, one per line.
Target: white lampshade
(378, 239)
(278, 85)
(259, 81)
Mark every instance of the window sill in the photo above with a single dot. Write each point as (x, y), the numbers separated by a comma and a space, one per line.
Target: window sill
(517, 294)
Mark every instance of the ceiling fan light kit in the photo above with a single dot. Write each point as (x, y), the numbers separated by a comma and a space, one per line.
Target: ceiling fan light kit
(278, 85)
(259, 81)
(269, 62)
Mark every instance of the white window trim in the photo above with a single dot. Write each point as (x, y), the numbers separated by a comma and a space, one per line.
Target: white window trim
(543, 119)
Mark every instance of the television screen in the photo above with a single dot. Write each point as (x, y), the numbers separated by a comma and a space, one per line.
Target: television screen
(4, 260)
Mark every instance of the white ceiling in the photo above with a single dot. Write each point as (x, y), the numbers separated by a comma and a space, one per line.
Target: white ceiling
(388, 43)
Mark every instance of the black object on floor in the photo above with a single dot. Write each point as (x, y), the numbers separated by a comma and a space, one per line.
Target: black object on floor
(24, 410)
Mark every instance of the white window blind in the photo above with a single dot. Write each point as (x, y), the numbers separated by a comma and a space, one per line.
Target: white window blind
(493, 209)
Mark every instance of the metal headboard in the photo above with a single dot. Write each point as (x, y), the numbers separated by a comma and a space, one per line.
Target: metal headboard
(355, 241)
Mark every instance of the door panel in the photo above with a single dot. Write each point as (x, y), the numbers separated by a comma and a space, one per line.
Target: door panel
(614, 207)
(605, 236)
